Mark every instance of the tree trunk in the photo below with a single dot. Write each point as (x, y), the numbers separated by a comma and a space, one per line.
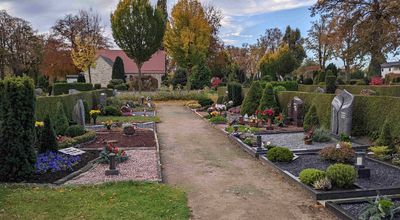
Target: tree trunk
(90, 75)
(140, 77)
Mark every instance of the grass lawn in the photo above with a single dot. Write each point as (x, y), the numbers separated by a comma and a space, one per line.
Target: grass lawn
(137, 119)
(126, 200)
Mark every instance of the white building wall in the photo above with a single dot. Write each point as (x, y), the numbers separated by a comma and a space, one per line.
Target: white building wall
(387, 70)
(101, 74)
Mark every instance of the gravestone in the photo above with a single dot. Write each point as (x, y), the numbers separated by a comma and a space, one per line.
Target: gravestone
(78, 115)
(103, 99)
(320, 90)
(38, 92)
(296, 111)
(73, 91)
(342, 113)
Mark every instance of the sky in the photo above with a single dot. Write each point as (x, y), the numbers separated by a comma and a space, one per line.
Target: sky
(243, 20)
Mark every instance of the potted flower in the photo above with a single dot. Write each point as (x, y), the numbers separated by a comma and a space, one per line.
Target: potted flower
(108, 124)
(93, 114)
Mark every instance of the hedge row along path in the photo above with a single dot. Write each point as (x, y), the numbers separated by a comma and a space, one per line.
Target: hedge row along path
(222, 181)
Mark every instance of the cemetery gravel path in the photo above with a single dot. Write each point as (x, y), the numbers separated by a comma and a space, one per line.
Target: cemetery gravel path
(221, 180)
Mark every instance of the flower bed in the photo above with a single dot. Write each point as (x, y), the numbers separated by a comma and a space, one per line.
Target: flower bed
(383, 178)
(354, 208)
(52, 166)
(141, 138)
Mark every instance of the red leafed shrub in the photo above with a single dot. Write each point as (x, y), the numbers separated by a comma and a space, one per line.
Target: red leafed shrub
(376, 80)
(215, 82)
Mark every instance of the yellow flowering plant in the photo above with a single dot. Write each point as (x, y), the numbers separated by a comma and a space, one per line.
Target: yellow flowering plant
(94, 113)
(108, 124)
(39, 124)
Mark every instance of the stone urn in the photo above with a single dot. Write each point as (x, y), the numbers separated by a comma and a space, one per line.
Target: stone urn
(129, 130)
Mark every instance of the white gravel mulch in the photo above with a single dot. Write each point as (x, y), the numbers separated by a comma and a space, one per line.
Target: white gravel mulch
(141, 166)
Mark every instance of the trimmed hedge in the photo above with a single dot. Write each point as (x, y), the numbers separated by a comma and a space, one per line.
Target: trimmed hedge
(369, 113)
(48, 105)
(63, 88)
(393, 90)
(289, 86)
(166, 95)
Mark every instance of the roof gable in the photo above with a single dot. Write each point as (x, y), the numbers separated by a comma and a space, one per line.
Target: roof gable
(156, 64)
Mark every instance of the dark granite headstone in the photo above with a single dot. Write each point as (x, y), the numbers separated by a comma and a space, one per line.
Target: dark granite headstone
(296, 111)
(103, 99)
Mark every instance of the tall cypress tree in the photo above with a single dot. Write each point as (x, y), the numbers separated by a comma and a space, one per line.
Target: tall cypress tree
(118, 71)
(61, 121)
(268, 99)
(17, 128)
(48, 141)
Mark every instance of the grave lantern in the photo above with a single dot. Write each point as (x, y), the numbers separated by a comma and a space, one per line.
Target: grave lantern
(259, 142)
(362, 171)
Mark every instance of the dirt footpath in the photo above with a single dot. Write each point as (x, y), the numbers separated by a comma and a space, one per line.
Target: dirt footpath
(221, 180)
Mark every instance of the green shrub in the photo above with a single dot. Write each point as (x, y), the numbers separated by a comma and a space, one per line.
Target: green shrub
(111, 111)
(243, 128)
(380, 152)
(166, 95)
(321, 135)
(121, 87)
(81, 78)
(118, 70)
(17, 131)
(279, 89)
(268, 100)
(344, 154)
(97, 86)
(320, 77)
(61, 121)
(344, 137)
(280, 154)
(288, 85)
(309, 176)
(200, 77)
(311, 119)
(48, 140)
(235, 93)
(179, 78)
(341, 175)
(205, 102)
(47, 105)
(217, 119)
(75, 130)
(88, 136)
(308, 81)
(385, 137)
(252, 100)
(63, 88)
(330, 82)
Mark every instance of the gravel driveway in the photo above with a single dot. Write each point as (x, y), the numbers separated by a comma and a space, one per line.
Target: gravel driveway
(221, 180)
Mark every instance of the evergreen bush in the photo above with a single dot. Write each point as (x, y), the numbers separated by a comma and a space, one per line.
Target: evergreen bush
(268, 99)
(75, 131)
(280, 154)
(311, 120)
(235, 93)
(48, 140)
(118, 70)
(81, 78)
(252, 100)
(60, 121)
(341, 175)
(87, 111)
(200, 77)
(385, 137)
(330, 82)
(179, 77)
(17, 128)
(309, 176)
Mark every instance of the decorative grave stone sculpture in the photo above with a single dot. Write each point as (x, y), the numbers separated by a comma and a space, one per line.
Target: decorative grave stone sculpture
(296, 111)
(342, 113)
(78, 115)
(320, 90)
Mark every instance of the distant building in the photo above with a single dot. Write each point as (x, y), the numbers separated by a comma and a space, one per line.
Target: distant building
(155, 67)
(390, 67)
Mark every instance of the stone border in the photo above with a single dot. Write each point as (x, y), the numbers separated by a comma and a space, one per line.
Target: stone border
(329, 195)
(159, 170)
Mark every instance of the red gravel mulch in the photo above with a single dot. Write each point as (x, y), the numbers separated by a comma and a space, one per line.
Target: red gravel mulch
(141, 138)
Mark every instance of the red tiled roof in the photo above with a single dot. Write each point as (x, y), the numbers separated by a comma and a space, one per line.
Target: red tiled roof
(156, 64)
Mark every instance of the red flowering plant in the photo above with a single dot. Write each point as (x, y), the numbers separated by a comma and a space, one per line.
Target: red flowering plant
(279, 120)
(120, 155)
(265, 114)
(376, 80)
(215, 82)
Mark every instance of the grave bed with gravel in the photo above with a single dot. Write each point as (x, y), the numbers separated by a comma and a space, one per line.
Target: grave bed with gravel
(384, 178)
(142, 165)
